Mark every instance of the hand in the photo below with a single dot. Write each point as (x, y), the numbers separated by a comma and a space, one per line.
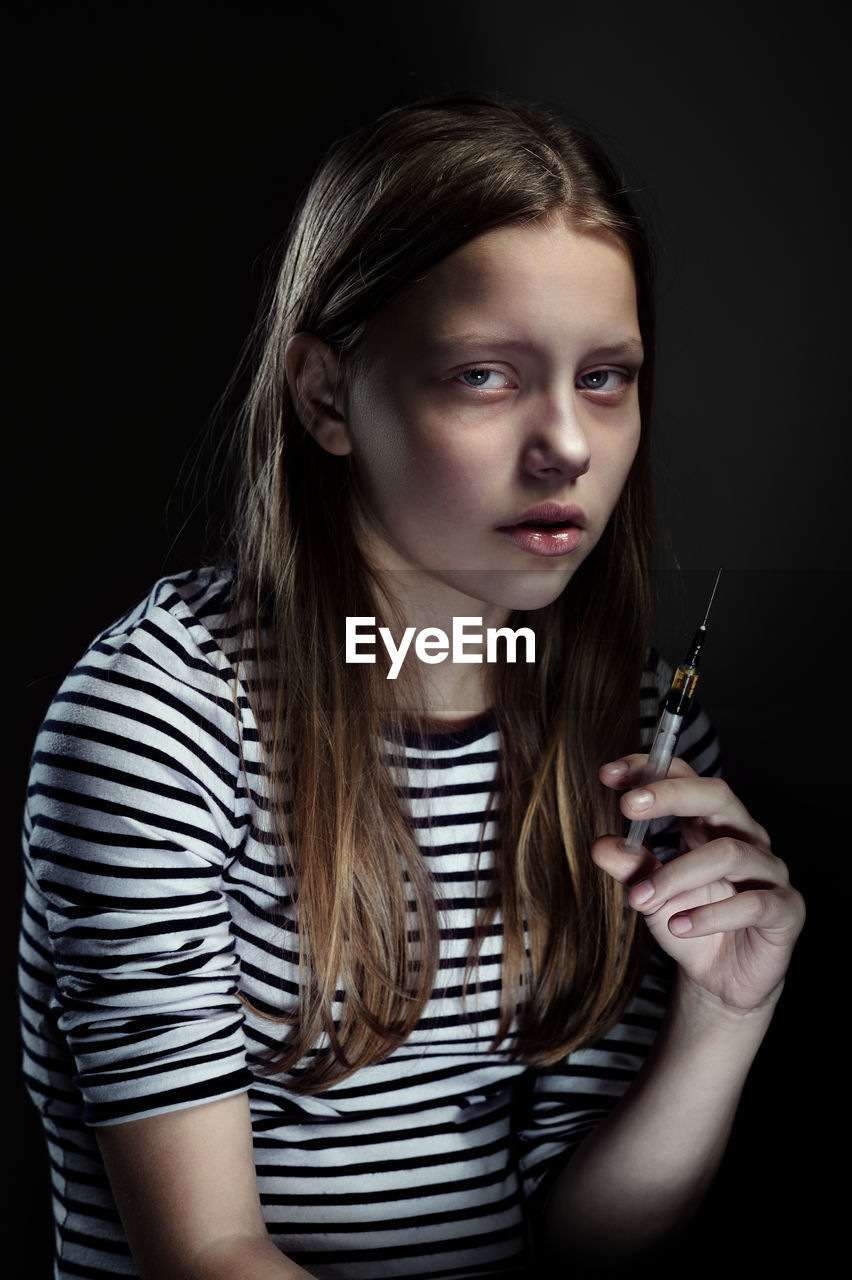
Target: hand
(724, 909)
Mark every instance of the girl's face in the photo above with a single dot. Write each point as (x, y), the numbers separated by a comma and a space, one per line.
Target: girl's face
(494, 417)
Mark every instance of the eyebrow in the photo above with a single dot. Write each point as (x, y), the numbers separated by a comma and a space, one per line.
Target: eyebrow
(627, 348)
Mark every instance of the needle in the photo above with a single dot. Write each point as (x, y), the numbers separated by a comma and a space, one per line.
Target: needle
(671, 721)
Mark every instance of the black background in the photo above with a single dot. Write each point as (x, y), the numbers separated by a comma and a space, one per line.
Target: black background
(155, 153)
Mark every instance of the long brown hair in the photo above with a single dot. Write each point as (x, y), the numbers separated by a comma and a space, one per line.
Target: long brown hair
(387, 204)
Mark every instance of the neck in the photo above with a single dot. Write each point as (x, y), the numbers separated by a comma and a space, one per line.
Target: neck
(435, 724)
(451, 691)
(456, 696)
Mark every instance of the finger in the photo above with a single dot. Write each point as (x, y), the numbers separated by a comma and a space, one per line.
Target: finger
(689, 796)
(609, 854)
(627, 772)
(777, 913)
(723, 861)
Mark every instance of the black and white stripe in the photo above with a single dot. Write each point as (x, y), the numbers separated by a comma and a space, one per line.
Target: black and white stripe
(154, 900)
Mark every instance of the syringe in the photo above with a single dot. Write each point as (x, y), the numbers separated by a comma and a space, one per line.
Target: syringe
(671, 721)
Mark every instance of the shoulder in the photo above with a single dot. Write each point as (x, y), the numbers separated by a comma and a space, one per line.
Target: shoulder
(180, 641)
(156, 692)
(187, 615)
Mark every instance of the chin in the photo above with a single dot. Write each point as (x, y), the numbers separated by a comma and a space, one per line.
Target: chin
(513, 589)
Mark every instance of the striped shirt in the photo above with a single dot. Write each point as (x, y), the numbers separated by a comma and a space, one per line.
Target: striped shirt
(155, 900)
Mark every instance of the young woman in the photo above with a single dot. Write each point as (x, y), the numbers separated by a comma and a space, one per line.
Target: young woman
(326, 964)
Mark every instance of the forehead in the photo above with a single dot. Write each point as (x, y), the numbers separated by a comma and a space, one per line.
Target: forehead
(538, 281)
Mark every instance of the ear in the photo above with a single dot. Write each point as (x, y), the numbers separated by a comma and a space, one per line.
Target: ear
(312, 370)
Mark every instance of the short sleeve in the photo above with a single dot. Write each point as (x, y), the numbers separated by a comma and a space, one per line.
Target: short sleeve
(135, 810)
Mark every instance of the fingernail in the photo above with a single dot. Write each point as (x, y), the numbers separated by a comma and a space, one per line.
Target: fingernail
(641, 799)
(641, 892)
(616, 770)
(680, 925)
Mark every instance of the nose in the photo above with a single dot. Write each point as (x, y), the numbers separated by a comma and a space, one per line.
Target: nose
(557, 443)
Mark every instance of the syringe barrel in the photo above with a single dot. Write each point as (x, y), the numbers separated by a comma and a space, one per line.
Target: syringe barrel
(662, 748)
(657, 766)
(682, 688)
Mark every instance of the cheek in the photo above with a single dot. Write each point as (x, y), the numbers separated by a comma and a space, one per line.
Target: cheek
(411, 457)
(427, 463)
(617, 459)
(403, 474)
(380, 458)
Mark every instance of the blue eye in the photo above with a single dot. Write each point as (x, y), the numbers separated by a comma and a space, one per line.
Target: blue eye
(477, 377)
(603, 380)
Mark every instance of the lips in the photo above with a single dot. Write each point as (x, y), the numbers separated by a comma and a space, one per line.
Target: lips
(548, 529)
